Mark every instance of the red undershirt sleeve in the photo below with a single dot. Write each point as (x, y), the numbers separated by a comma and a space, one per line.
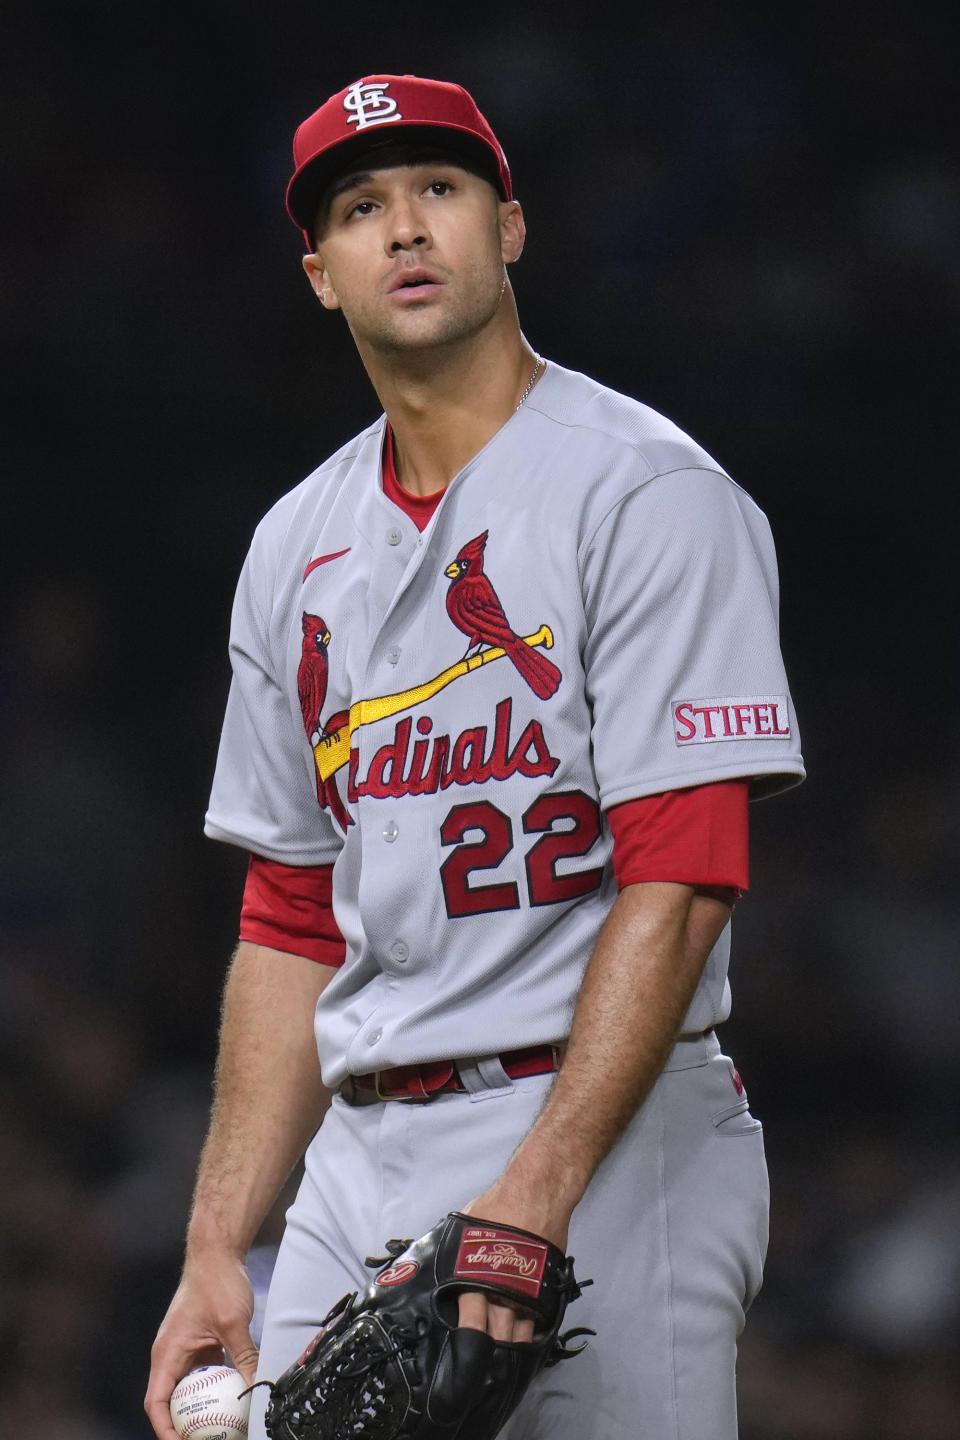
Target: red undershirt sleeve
(698, 836)
(290, 908)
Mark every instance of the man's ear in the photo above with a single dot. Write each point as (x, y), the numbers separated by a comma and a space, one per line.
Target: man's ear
(320, 282)
(513, 231)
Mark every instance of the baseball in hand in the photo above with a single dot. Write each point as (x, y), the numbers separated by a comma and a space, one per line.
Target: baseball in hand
(206, 1404)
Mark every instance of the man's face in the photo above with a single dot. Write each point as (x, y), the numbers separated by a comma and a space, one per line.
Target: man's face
(414, 254)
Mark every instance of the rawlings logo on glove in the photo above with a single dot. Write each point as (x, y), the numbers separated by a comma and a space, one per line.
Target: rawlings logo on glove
(493, 1255)
(393, 1364)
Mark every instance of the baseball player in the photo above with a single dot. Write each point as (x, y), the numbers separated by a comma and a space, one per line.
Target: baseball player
(506, 672)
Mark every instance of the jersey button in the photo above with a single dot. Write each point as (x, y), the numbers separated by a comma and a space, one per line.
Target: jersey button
(374, 1036)
(400, 952)
(390, 831)
(394, 536)
(393, 654)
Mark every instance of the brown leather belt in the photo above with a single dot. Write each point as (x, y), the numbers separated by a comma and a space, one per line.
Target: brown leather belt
(435, 1077)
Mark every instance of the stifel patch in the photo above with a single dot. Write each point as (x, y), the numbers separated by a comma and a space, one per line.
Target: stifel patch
(490, 1254)
(730, 717)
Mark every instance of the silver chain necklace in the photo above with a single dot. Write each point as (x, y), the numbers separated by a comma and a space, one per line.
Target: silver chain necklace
(532, 381)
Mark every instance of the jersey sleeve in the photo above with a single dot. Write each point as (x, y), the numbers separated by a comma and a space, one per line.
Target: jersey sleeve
(264, 795)
(683, 666)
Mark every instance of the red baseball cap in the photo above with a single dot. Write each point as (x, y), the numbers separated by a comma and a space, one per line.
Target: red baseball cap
(372, 110)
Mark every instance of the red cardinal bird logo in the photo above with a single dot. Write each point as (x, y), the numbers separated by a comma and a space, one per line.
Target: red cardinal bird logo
(312, 674)
(474, 608)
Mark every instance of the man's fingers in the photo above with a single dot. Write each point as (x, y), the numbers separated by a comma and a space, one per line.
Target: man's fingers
(501, 1322)
(158, 1413)
(504, 1322)
(243, 1354)
(168, 1371)
(473, 1310)
(163, 1379)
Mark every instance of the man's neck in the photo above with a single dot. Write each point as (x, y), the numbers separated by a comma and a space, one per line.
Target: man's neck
(444, 414)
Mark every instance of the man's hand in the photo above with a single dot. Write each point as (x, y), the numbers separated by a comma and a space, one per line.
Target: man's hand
(209, 1319)
(501, 1205)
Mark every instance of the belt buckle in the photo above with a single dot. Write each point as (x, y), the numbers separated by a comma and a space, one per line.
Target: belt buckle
(415, 1078)
(406, 1094)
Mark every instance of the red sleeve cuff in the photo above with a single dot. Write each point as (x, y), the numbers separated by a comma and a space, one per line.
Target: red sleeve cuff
(698, 837)
(290, 908)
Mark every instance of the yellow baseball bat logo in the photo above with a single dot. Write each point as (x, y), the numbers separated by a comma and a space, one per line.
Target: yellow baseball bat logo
(332, 752)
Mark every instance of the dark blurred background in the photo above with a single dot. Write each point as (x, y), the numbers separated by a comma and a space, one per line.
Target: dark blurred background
(745, 216)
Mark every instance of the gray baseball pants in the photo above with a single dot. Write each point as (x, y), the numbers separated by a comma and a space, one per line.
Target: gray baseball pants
(672, 1231)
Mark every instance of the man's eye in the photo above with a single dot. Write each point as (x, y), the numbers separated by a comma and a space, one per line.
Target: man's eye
(441, 187)
(362, 207)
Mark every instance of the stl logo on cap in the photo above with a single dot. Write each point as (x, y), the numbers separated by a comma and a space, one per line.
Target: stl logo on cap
(370, 106)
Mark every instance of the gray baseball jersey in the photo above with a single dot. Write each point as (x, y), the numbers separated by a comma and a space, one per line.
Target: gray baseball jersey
(589, 617)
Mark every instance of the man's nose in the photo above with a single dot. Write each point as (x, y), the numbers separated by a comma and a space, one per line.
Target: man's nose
(407, 229)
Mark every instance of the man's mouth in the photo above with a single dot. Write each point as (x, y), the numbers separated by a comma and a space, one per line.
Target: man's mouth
(422, 281)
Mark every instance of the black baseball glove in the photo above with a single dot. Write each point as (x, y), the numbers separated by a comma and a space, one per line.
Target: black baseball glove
(392, 1364)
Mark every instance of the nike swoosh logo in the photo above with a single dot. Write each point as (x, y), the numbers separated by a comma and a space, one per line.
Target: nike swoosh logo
(322, 560)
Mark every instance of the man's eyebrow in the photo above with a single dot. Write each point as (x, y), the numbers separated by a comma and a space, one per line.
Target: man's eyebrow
(356, 179)
(349, 182)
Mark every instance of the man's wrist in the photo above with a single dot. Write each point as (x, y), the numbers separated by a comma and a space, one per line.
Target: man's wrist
(210, 1235)
(546, 1169)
